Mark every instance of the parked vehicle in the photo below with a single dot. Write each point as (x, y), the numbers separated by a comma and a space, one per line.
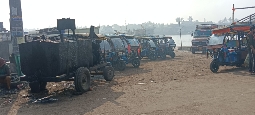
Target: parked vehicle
(119, 52)
(111, 55)
(68, 60)
(148, 48)
(200, 37)
(133, 50)
(233, 51)
(162, 47)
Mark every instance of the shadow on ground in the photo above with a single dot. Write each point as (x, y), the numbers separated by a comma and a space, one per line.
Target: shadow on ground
(130, 70)
(237, 71)
(72, 104)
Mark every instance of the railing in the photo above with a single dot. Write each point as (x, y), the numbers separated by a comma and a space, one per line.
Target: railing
(249, 19)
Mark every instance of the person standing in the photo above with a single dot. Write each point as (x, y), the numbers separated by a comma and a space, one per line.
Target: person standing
(251, 49)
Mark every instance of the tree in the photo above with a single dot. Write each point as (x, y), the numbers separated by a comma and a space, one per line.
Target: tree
(230, 20)
(190, 18)
(236, 19)
(225, 20)
(179, 20)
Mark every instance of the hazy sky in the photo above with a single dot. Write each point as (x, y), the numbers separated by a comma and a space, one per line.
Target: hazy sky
(43, 13)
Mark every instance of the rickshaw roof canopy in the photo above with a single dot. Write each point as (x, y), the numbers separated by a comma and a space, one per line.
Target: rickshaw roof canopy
(232, 29)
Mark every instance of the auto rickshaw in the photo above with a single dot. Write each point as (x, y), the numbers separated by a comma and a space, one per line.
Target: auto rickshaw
(162, 46)
(170, 46)
(116, 57)
(148, 48)
(233, 50)
(132, 47)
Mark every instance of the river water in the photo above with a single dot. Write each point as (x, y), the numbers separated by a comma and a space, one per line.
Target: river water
(186, 40)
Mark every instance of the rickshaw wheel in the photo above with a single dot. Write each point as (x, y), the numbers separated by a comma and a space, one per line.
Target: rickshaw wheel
(172, 54)
(163, 55)
(214, 66)
(136, 63)
(153, 56)
(121, 66)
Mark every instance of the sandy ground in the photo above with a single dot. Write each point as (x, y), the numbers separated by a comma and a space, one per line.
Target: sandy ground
(183, 85)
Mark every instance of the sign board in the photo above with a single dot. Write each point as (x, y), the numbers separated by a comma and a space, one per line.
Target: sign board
(20, 40)
(16, 23)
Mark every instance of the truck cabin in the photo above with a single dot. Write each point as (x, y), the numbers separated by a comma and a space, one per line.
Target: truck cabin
(202, 33)
(204, 30)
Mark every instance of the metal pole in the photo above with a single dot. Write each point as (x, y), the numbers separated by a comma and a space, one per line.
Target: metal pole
(180, 31)
(233, 13)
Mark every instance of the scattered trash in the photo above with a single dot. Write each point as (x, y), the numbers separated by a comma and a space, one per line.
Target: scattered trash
(152, 81)
(45, 100)
(141, 83)
(54, 85)
(104, 98)
(69, 85)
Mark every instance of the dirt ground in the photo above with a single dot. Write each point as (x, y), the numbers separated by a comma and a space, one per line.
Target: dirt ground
(183, 85)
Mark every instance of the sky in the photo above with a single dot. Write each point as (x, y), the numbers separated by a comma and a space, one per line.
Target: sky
(44, 13)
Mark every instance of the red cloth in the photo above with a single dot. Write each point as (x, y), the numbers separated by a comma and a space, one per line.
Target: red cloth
(129, 48)
(139, 51)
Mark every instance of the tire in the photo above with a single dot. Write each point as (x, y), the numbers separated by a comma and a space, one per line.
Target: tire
(204, 51)
(121, 65)
(108, 73)
(136, 63)
(153, 56)
(82, 80)
(172, 54)
(163, 55)
(43, 86)
(193, 51)
(35, 87)
(239, 65)
(214, 66)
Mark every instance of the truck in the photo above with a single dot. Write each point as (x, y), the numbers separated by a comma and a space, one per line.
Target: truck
(200, 37)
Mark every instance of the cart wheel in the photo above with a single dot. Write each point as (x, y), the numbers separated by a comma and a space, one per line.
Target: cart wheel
(82, 80)
(43, 86)
(136, 63)
(239, 65)
(172, 54)
(121, 65)
(35, 87)
(214, 66)
(108, 73)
